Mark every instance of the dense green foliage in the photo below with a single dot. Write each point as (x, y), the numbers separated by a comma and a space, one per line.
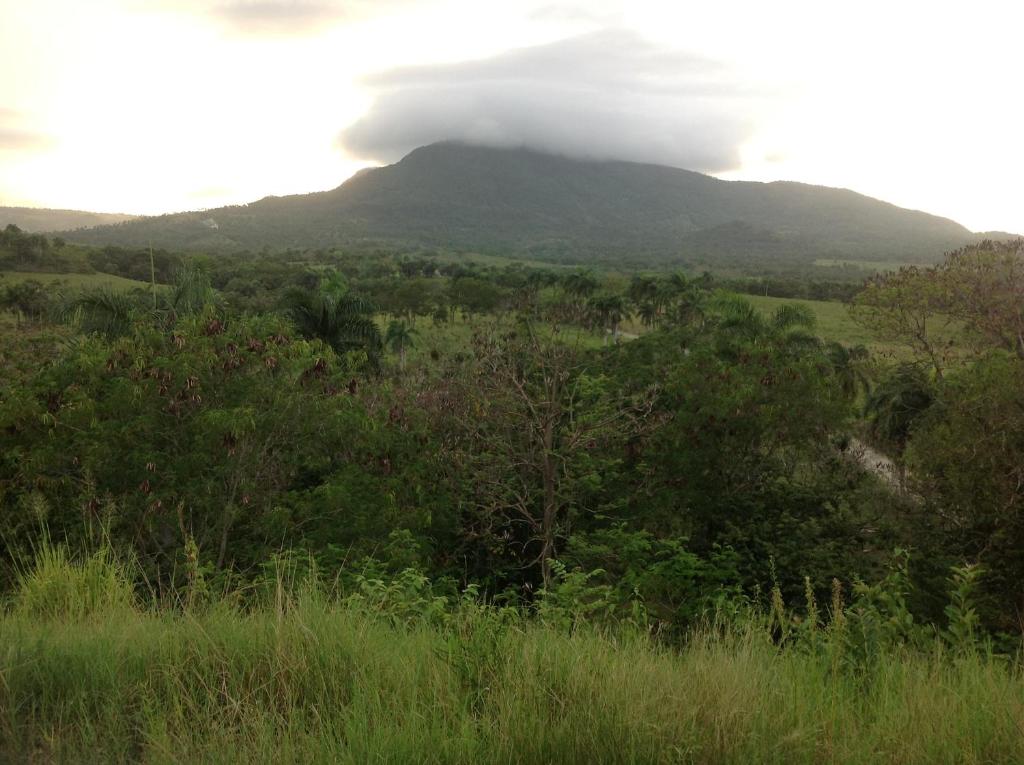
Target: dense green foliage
(951, 417)
(522, 203)
(306, 456)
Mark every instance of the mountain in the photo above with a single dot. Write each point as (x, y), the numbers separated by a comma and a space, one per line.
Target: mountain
(38, 219)
(519, 201)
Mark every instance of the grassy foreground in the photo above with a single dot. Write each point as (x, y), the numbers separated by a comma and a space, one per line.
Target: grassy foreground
(86, 675)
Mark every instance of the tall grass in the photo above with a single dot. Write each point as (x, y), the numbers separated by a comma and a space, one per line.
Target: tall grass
(303, 677)
(56, 587)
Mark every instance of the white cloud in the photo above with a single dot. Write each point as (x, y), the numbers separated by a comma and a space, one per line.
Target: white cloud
(609, 94)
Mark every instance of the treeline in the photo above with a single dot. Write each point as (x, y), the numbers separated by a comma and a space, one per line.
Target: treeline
(20, 249)
(795, 287)
(24, 251)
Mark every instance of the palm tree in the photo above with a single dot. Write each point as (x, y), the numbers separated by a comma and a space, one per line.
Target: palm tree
(678, 283)
(105, 311)
(648, 313)
(741, 327)
(848, 368)
(794, 321)
(789, 326)
(334, 315)
(738, 317)
(610, 311)
(642, 289)
(579, 286)
(112, 313)
(897, 402)
(683, 299)
(399, 338)
(190, 293)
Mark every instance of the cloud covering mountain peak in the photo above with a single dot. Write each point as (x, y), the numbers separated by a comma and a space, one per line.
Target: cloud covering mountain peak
(604, 95)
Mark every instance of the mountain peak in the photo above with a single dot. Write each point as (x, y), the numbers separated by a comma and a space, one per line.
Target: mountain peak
(521, 201)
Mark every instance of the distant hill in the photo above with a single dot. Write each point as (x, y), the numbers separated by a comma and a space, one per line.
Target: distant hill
(38, 219)
(518, 201)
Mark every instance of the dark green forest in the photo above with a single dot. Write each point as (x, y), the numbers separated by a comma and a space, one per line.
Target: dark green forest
(494, 426)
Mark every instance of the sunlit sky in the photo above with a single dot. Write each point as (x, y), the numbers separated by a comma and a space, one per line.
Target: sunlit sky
(150, 106)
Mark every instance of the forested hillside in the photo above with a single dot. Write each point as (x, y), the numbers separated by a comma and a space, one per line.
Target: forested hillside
(37, 219)
(529, 204)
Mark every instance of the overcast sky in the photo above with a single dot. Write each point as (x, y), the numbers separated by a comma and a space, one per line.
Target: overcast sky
(150, 106)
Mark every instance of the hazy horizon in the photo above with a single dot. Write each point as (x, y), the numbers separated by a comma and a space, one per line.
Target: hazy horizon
(147, 108)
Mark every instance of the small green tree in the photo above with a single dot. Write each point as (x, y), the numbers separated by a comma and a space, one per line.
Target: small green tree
(529, 439)
(28, 301)
(399, 338)
(906, 307)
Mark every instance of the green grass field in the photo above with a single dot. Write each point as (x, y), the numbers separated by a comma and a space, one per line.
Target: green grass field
(87, 674)
(75, 281)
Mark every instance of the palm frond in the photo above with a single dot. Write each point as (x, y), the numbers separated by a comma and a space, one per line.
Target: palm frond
(791, 315)
(102, 311)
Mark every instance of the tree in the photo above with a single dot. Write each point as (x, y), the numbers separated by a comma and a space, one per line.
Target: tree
(742, 455)
(105, 311)
(983, 287)
(532, 434)
(848, 368)
(28, 300)
(683, 301)
(399, 338)
(198, 432)
(578, 287)
(190, 293)
(906, 307)
(414, 297)
(609, 311)
(333, 314)
(474, 295)
(643, 289)
(648, 313)
(580, 284)
(112, 313)
(897, 403)
(976, 294)
(965, 455)
(789, 327)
